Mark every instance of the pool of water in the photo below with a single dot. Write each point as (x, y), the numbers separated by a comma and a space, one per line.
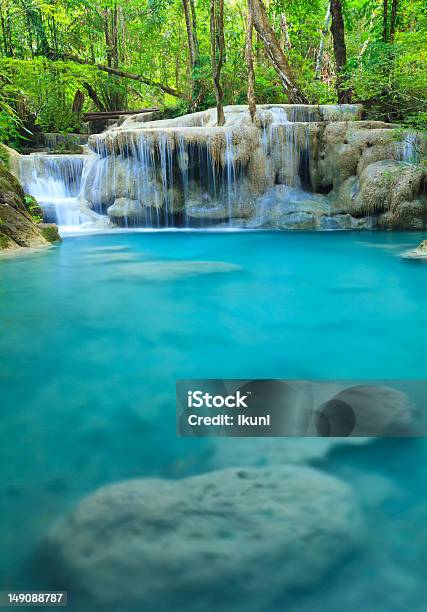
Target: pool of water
(95, 331)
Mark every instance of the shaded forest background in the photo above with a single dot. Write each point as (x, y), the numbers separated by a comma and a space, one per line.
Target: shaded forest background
(62, 58)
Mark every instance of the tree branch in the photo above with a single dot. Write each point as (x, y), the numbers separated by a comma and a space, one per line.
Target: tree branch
(125, 75)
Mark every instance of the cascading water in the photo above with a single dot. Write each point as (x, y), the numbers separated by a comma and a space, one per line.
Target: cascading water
(410, 153)
(287, 141)
(229, 177)
(181, 173)
(55, 181)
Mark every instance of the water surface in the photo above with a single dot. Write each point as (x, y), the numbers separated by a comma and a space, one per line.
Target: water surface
(95, 331)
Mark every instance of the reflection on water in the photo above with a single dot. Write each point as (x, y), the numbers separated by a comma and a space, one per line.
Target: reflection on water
(90, 349)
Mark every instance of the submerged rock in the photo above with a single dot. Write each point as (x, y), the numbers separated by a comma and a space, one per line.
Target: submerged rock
(377, 410)
(171, 270)
(338, 222)
(238, 538)
(420, 252)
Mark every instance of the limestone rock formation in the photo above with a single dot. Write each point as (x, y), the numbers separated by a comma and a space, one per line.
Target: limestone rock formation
(384, 185)
(420, 252)
(125, 207)
(243, 536)
(17, 226)
(265, 174)
(294, 167)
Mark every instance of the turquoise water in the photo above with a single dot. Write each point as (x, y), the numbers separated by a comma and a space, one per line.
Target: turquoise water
(93, 337)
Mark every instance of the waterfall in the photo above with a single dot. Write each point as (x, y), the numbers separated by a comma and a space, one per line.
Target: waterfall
(55, 181)
(229, 182)
(285, 138)
(410, 152)
(188, 172)
(159, 178)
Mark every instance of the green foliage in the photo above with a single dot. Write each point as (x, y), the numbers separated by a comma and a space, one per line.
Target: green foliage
(33, 208)
(390, 77)
(39, 79)
(417, 121)
(170, 112)
(9, 133)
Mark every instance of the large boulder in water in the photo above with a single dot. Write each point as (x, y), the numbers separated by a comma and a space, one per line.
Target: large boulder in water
(385, 185)
(291, 208)
(410, 215)
(203, 204)
(234, 539)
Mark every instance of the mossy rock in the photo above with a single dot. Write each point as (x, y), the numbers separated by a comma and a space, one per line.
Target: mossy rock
(18, 228)
(4, 241)
(8, 182)
(50, 232)
(385, 185)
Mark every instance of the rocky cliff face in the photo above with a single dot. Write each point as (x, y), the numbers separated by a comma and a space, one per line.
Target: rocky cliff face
(18, 227)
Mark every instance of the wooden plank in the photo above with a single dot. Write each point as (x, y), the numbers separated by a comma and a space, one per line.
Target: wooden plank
(114, 114)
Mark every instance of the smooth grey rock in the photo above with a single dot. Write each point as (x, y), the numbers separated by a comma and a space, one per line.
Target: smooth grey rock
(236, 538)
(125, 208)
(337, 222)
(286, 200)
(298, 221)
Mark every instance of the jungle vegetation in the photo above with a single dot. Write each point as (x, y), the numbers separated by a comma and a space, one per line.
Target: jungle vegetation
(62, 58)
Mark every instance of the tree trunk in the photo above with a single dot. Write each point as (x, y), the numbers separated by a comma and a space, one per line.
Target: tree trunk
(115, 97)
(94, 97)
(340, 51)
(193, 18)
(107, 37)
(385, 20)
(217, 53)
(285, 42)
(193, 48)
(393, 19)
(275, 54)
(250, 61)
(114, 37)
(78, 101)
(190, 34)
(3, 29)
(319, 59)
